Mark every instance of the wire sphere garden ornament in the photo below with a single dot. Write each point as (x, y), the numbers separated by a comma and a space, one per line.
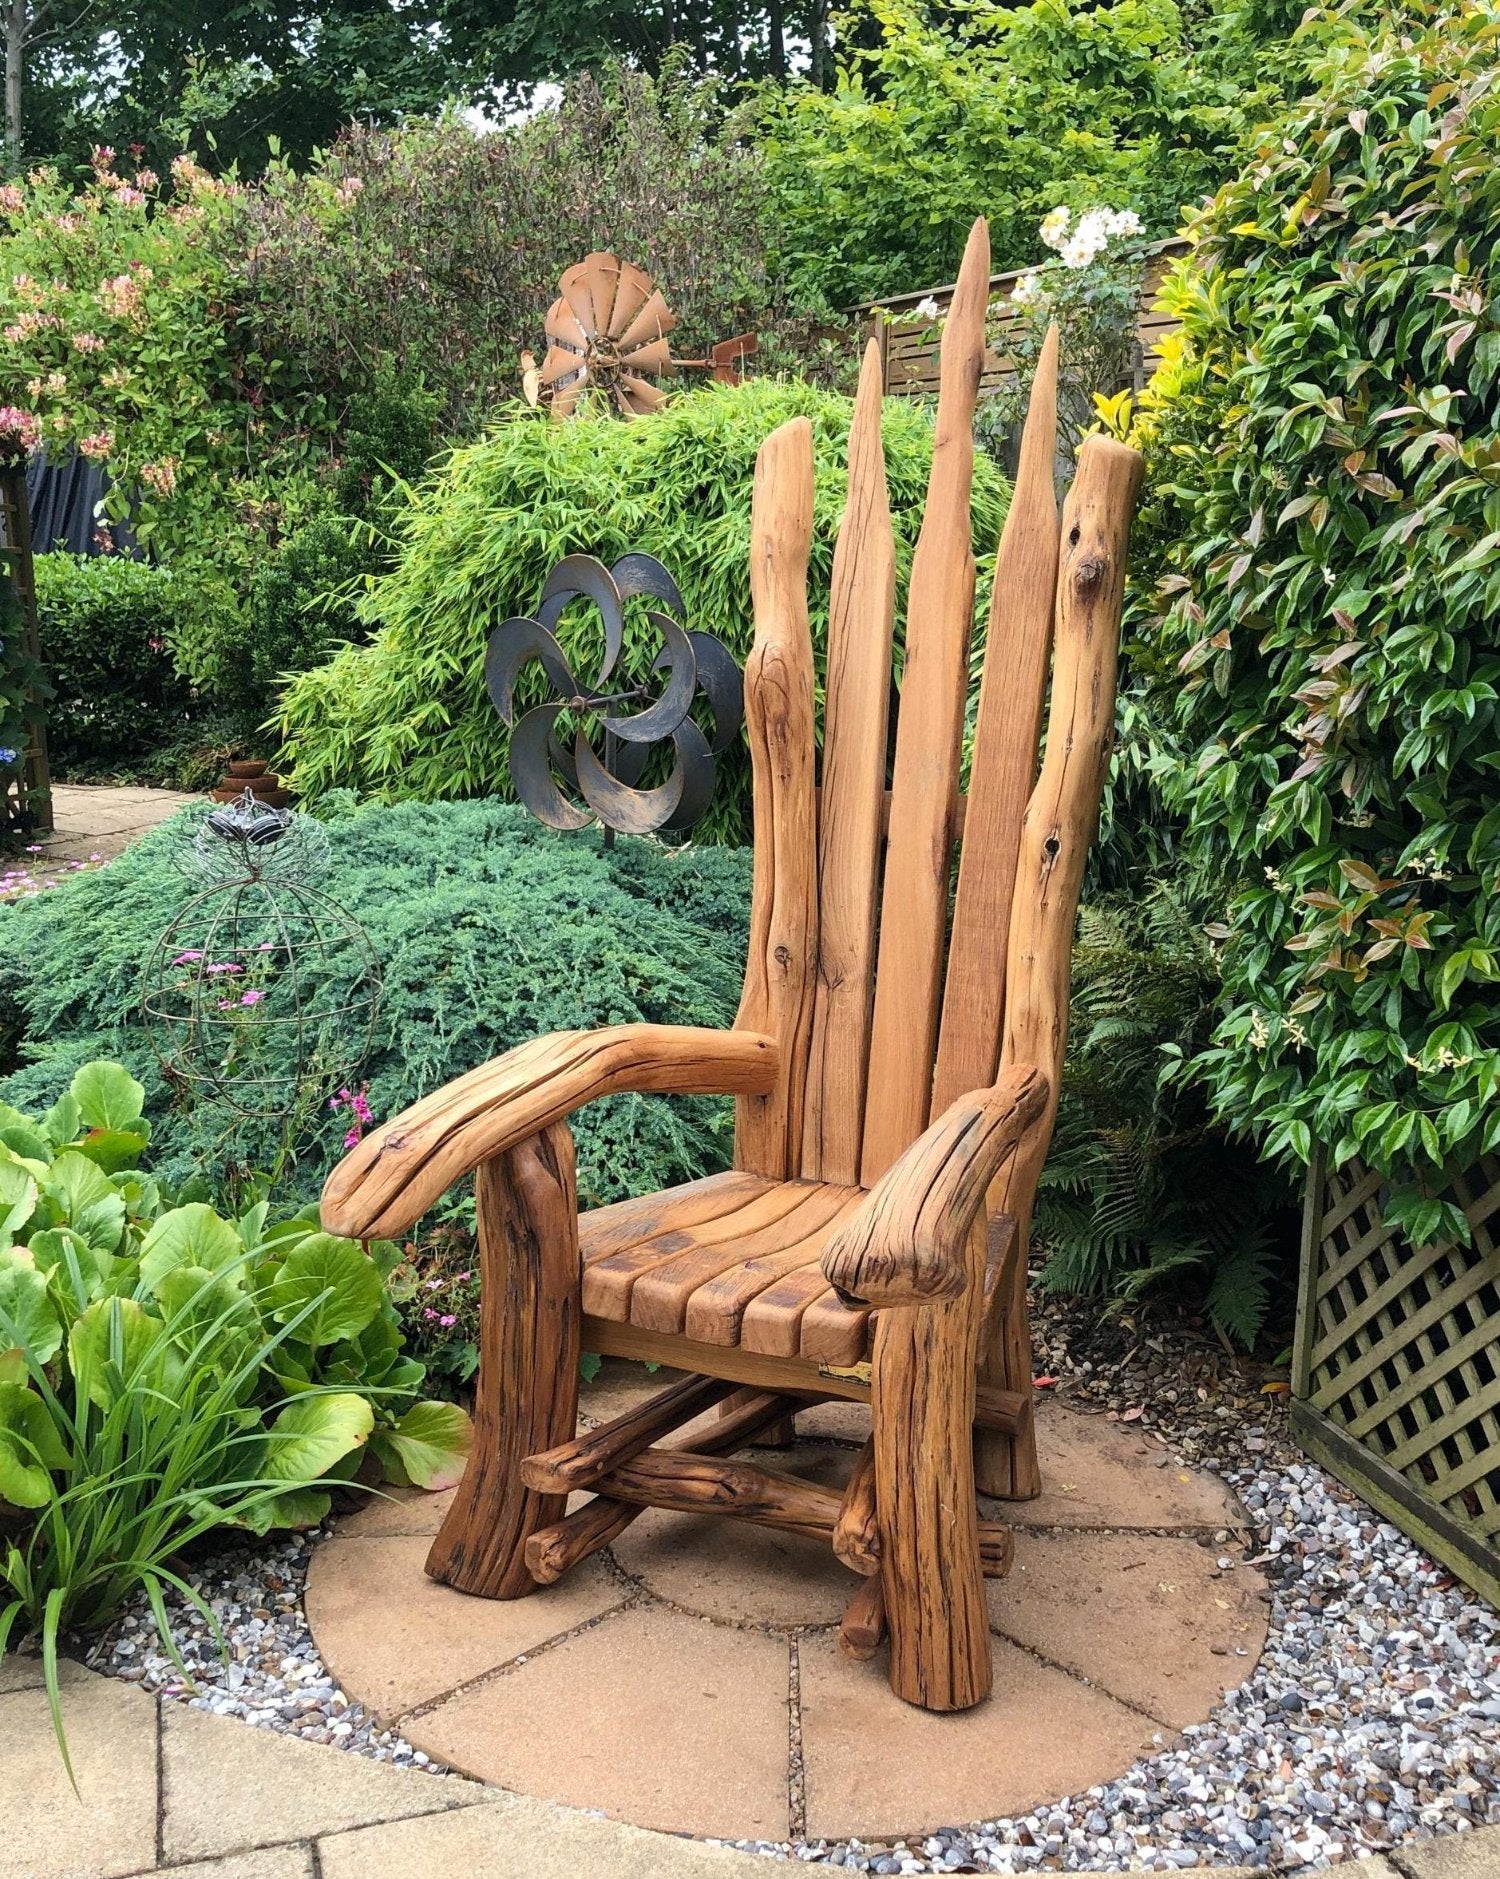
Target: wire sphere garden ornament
(262, 993)
(634, 717)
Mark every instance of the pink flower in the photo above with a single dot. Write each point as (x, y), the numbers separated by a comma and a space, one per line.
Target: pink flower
(186, 959)
(162, 477)
(224, 965)
(465, 1275)
(12, 201)
(97, 445)
(447, 1319)
(351, 1140)
(103, 157)
(252, 997)
(129, 198)
(87, 342)
(428, 1312)
(147, 179)
(19, 432)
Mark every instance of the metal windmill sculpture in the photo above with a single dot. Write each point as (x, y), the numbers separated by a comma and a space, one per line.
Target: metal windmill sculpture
(607, 330)
(634, 716)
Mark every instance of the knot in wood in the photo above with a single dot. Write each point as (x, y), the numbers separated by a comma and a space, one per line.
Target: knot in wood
(783, 956)
(1089, 572)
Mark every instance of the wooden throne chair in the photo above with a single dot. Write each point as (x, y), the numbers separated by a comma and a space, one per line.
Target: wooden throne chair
(895, 1064)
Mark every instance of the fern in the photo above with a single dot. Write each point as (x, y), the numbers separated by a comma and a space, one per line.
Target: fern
(1140, 1190)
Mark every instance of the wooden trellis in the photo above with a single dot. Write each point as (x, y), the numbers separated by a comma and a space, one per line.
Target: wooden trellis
(1396, 1372)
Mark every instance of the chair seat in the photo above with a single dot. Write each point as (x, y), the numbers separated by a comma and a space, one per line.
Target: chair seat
(729, 1260)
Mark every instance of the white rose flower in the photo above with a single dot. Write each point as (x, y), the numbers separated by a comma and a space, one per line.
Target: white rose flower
(1027, 291)
(1054, 228)
(1093, 229)
(1124, 222)
(925, 309)
(1077, 253)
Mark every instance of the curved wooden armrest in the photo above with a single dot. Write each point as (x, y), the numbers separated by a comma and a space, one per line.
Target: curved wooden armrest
(905, 1245)
(396, 1173)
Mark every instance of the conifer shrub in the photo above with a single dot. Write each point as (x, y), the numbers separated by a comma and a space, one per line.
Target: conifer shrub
(408, 715)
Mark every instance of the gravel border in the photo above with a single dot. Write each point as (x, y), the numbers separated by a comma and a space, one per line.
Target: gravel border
(1372, 1719)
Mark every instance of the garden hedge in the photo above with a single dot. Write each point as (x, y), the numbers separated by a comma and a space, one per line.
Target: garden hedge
(1326, 438)
(408, 716)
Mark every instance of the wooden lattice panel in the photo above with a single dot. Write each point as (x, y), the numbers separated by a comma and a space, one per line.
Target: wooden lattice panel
(1397, 1373)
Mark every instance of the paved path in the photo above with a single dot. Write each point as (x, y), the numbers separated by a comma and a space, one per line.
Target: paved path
(166, 1789)
(90, 820)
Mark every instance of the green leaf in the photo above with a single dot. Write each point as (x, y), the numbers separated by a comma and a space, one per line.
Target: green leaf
(30, 1447)
(27, 1318)
(18, 1194)
(427, 1448)
(108, 1096)
(91, 1205)
(114, 1149)
(312, 1433)
(107, 1346)
(298, 1507)
(62, 1121)
(189, 1236)
(335, 1278)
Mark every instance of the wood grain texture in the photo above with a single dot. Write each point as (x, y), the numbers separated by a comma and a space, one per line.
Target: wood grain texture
(614, 1228)
(699, 1484)
(581, 1462)
(856, 1532)
(862, 1627)
(908, 1243)
(777, 999)
(922, 1416)
(914, 903)
(1003, 766)
(551, 1551)
(609, 1282)
(852, 806)
(1061, 819)
(526, 1395)
(790, 1375)
(396, 1173)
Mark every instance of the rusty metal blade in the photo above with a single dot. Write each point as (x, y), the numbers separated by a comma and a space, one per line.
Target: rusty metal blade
(602, 272)
(631, 811)
(562, 327)
(698, 776)
(720, 682)
(513, 644)
(577, 290)
(655, 356)
(654, 321)
(560, 363)
(565, 399)
(531, 773)
(662, 717)
(583, 575)
(632, 293)
(643, 397)
(639, 573)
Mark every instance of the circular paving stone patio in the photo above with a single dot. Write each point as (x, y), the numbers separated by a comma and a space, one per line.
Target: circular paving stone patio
(690, 1679)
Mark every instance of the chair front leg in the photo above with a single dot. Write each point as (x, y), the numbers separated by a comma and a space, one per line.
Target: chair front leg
(922, 1410)
(530, 1324)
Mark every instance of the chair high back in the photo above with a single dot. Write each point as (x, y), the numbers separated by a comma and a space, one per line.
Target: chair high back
(885, 1009)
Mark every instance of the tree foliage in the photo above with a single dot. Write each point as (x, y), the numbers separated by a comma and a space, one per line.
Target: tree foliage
(1009, 111)
(1327, 448)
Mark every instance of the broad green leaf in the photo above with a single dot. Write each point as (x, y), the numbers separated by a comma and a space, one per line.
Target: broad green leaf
(334, 1277)
(189, 1236)
(312, 1433)
(90, 1203)
(18, 1194)
(298, 1507)
(113, 1149)
(27, 1317)
(29, 1447)
(23, 1138)
(428, 1446)
(108, 1096)
(208, 1309)
(108, 1345)
(62, 1121)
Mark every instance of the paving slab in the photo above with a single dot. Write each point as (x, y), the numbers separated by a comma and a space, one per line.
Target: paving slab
(1098, 1473)
(20, 1671)
(620, 1385)
(734, 1572)
(228, 1788)
(652, 1716)
(397, 1511)
(1472, 1855)
(108, 1827)
(520, 1838)
(1150, 1620)
(881, 1769)
(430, 1639)
(271, 1862)
(90, 819)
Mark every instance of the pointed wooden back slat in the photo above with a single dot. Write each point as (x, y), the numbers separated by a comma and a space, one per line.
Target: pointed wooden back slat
(777, 999)
(1003, 767)
(856, 707)
(924, 786)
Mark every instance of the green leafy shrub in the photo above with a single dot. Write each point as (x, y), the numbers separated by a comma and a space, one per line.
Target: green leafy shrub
(408, 715)
(489, 930)
(1007, 111)
(106, 626)
(1326, 440)
(1140, 1188)
(167, 1371)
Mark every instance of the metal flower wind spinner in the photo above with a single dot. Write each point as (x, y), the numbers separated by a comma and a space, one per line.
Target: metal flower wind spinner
(262, 992)
(634, 717)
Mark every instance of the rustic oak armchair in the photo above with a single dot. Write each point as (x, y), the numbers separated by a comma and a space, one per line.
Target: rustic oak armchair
(895, 1073)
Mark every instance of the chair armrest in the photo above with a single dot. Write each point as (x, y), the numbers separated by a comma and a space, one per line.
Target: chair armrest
(395, 1174)
(905, 1244)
